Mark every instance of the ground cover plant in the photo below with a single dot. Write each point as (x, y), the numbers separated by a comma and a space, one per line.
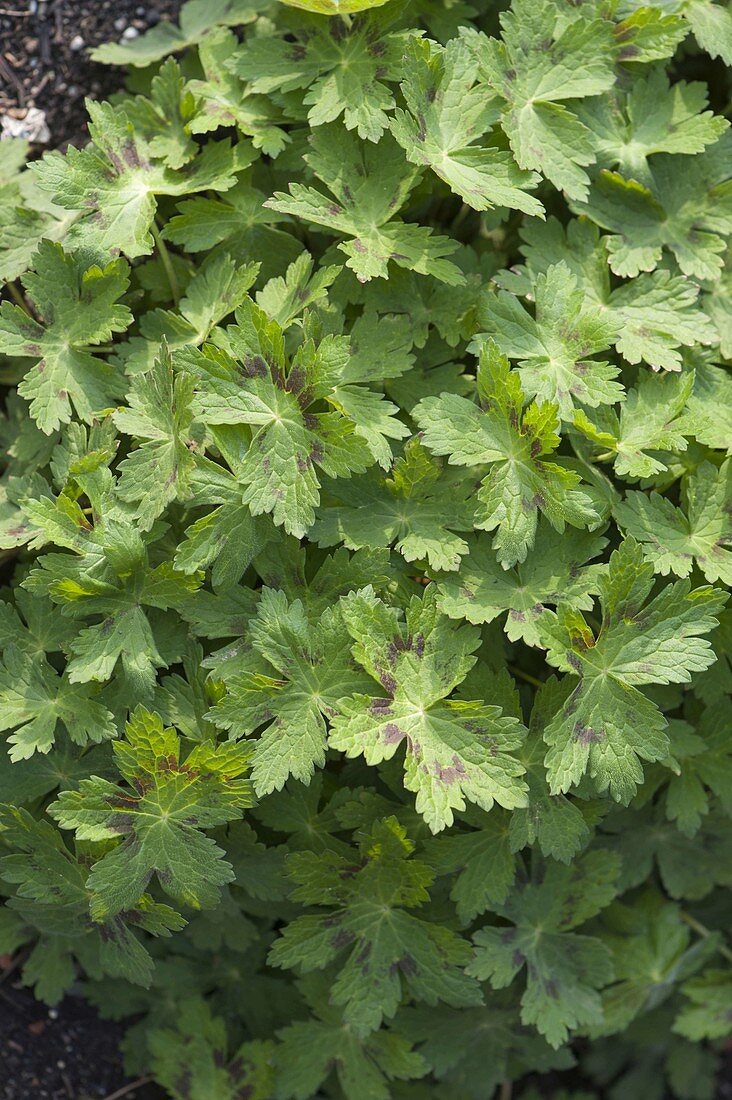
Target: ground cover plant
(364, 518)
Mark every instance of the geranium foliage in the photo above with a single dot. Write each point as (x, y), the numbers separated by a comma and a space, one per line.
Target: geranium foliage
(364, 528)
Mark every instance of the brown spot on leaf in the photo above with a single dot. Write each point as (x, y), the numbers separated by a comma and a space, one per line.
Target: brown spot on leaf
(393, 734)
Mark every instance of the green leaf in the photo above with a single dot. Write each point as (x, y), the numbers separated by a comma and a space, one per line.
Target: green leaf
(556, 571)
(652, 117)
(654, 314)
(78, 308)
(684, 210)
(222, 100)
(160, 815)
(652, 420)
(344, 65)
(607, 726)
(310, 1050)
(552, 347)
(113, 184)
(447, 114)
(369, 185)
(418, 509)
(191, 1061)
(708, 1014)
(455, 750)
(310, 670)
(272, 442)
(674, 538)
(512, 440)
(159, 416)
(197, 17)
(390, 952)
(565, 969)
(541, 61)
(34, 698)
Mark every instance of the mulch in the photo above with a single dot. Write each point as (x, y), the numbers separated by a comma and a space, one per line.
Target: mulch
(44, 57)
(62, 1053)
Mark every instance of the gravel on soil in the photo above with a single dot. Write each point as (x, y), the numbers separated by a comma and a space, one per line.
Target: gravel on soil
(44, 58)
(62, 1053)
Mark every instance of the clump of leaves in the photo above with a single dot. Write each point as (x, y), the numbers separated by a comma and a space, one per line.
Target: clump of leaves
(365, 528)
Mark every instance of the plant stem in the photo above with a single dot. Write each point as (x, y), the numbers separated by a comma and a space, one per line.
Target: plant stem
(167, 262)
(460, 216)
(702, 930)
(128, 1088)
(506, 1090)
(516, 671)
(18, 298)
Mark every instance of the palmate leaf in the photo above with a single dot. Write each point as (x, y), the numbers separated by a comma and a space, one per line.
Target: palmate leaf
(651, 949)
(706, 1014)
(512, 439)
(311, 670)
(114, 183)
(702, 758)
(555, 571)
(471, 1051)
(390, 950)
(454, 750)
(653, 315)
(216, 289)
(419, 509)
(222, 100)
(197, 18)
(369, 185)
(192, 1060)
(78, 307)
(685, 209)
(674, 538)
(34, 699)
(271, 440)
(565, 969)
(160, 815)
(51, 898)
(311, 1049)
(540, 63)
(159, 416)
(654, 419)
(346, 67)
(607, 726)
(652, 117)
(447, 115)
(553, 348)
(108, 576)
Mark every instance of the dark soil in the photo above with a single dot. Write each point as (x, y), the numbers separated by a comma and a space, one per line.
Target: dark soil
(63, 1053)
(44, 56)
